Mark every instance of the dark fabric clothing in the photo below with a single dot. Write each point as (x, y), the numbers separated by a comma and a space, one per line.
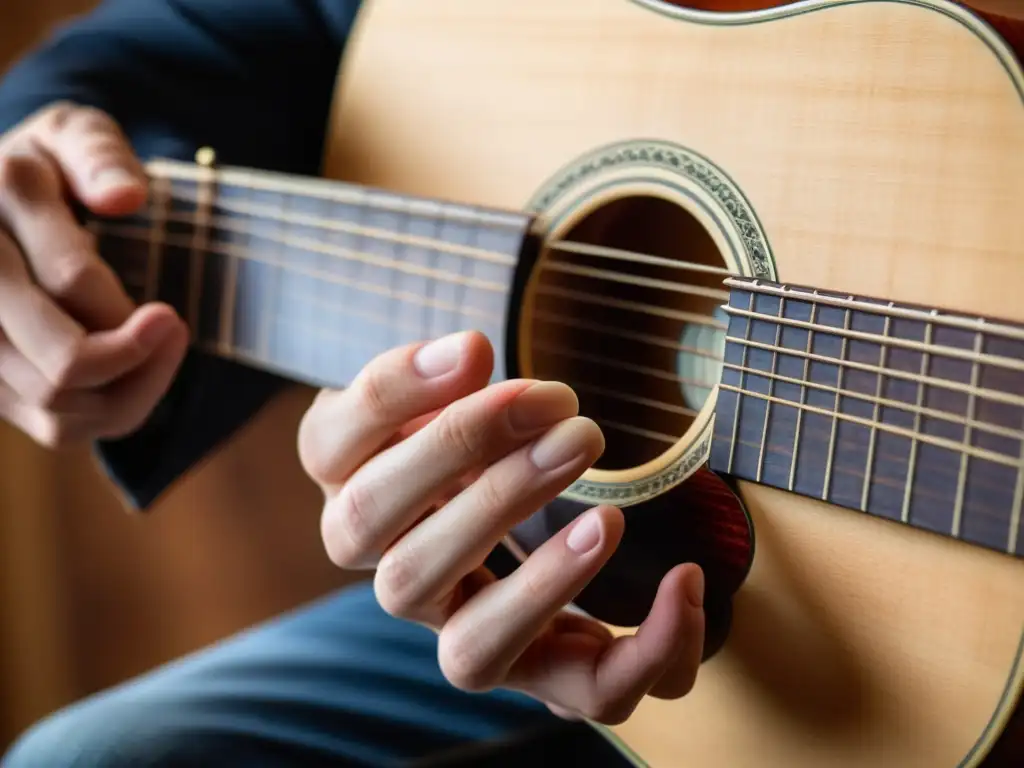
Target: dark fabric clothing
(254, 80)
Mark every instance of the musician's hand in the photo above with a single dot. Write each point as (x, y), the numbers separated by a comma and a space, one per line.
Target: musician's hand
(426, 467)
(78, 360)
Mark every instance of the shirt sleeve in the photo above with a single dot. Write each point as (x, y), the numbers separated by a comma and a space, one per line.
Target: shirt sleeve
(254, 80)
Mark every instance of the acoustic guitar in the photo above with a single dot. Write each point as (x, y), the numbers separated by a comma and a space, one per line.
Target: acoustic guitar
(777, 250)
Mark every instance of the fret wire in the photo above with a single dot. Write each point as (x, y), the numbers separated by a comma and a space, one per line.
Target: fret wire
(158, 232)
(771, 391)
(883, 402)
(403, 223)
(830, 456)
(869, 466)
(230, 300)
(961, 483)
(941, 442)
(434, 255)
(739, 398)
(198, 248)
(991, 394)
(899, 312)
(914, 346)
(908, 488)
(1018, 502)
(803, 400)
(227, 309)
(271, 294)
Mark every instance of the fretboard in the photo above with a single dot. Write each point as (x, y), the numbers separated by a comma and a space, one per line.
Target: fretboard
(313, 278)
(905, 413)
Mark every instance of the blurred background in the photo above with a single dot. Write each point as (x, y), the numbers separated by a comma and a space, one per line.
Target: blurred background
(91, 594)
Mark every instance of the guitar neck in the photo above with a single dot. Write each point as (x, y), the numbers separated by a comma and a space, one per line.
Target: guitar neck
(905, 413)
(313, 278)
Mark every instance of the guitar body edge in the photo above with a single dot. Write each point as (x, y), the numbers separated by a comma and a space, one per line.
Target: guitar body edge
(878, 146)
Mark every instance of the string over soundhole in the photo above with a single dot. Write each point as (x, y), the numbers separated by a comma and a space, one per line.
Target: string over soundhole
(625, 307)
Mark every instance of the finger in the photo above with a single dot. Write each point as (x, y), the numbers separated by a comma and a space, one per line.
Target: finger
(487, 635)
(342, 429)
(57, 345)
(128, 402)
(62, 256)
(383, 498)
(605, 683)
(95, 157)
(33, 389)
(428, 562)
(47, 429)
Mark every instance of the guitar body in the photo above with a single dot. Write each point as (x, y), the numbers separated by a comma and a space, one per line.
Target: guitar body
(868, 147)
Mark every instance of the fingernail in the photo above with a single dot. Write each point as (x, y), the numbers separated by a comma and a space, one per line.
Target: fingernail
(541, 405)
(695, 588)
(114, 177)
(563, 443)
(586, 533)
(441, 356)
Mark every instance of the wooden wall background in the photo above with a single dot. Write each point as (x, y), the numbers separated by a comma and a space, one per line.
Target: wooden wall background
(91, 595)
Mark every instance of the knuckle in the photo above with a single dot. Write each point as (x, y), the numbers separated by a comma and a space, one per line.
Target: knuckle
(56, 116)
(92, 120)
(463, 662)
(347, 531)
(491, 494)
(374, 390)
(458, 432)
(395, 585)
(537, 586)
(22, 176)
(69, 275)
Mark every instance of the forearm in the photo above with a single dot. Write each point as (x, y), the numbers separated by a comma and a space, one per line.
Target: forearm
(253, 80)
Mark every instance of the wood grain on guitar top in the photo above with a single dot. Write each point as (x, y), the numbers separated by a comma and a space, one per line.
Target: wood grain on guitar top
(880, 148)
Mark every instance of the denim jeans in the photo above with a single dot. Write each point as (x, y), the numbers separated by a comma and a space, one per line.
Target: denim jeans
(338, 682)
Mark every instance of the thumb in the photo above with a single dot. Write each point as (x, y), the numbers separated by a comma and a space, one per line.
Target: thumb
(94, 157)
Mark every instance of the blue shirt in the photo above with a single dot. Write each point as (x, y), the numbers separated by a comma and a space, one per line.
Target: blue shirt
(253, 79)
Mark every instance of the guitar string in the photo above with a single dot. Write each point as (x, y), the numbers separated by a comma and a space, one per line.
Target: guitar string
(894, 460)
(443, 246)
(934, 319)
(933, 349)
(273, 213)
(882, 426)
(143, 234)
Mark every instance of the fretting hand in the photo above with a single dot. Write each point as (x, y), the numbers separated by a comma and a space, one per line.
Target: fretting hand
(78, 359)
(425, 468)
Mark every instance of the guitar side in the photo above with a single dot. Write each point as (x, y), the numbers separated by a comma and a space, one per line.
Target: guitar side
(878, 146)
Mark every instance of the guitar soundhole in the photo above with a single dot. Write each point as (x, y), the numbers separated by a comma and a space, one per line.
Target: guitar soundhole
(627, 310)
